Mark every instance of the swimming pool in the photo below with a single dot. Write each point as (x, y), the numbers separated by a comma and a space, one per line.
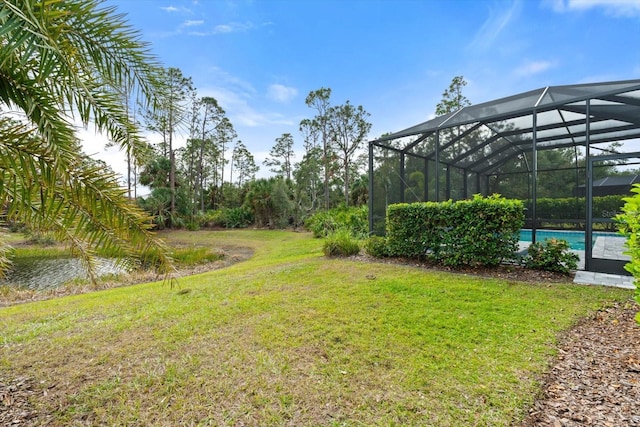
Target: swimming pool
(574, 238)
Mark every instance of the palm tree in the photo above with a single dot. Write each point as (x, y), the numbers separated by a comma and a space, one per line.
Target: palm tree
(66, 62)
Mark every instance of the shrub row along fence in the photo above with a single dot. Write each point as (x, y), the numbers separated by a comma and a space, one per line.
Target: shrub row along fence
(574, 207)
(481, 231)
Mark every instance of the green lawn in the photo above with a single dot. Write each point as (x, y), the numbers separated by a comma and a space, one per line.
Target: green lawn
(292, 338)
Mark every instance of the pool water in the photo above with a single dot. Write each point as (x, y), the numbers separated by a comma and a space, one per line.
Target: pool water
(574, 238)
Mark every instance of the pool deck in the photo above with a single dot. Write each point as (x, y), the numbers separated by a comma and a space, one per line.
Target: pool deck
(601, 279)
(604, 247)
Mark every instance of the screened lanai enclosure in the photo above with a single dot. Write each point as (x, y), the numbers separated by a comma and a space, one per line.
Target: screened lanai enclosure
(546, 147)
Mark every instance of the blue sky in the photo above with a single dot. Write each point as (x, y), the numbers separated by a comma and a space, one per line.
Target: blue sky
(260, 58)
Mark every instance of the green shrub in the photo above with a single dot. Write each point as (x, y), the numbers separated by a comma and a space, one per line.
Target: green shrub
(236, 217)
(321, 224)
(629, 225)
(376, 246)
(42, 239)
(484, 231)
(415, 230)
(151, 260)
(354, 219)
(480, 231)
(192, 226)
(177, 221)
(340, 243)
(210, 218)
(226, 217)
(551, 255)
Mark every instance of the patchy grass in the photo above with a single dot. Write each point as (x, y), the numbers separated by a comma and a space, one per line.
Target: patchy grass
(190, 256)
(290, 337)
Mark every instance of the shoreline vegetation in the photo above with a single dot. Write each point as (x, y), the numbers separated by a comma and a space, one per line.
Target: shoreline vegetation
(190, 259)
(290, 337)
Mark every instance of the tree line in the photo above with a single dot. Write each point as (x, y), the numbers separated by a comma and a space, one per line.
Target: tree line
(188, 182)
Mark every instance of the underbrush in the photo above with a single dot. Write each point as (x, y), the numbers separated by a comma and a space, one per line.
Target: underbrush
(353, 219)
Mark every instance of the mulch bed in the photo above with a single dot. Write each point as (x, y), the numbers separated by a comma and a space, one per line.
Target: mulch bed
(595, 380)
(15, 407)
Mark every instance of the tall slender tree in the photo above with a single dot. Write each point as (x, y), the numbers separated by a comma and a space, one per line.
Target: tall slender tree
(204, 146)
(308, 181)
(244, 164)
(173, 112)
(349, 128)
(224, 133)
(281, 156)
(319, 100)
(452, 98)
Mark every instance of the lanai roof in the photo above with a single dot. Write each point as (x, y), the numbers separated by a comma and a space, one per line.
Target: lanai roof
(491, 133)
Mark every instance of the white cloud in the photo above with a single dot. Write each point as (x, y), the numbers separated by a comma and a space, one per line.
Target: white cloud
(237, 27)
(192, 23)
(555, 5)
(233, 27)
(281, 93)
(223, 77)
(178, 10)
(236, 97)
(530, 68)
(494, 25)
(618, 8)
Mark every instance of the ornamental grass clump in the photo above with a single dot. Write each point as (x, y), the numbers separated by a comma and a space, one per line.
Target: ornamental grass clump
(340, 244)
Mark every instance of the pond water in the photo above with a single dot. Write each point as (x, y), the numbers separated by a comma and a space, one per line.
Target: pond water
(47, 273)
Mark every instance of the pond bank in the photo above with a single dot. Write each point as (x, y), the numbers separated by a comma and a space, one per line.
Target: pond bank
(12, 295)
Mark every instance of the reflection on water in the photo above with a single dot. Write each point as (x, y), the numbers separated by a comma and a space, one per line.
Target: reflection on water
(46, 273)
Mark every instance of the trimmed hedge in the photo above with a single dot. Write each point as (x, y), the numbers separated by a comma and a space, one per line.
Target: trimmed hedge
(629, 224)
(574, 208)
(481, 231)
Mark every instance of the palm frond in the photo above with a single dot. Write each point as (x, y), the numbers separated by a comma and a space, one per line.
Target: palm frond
(81, 205)
(61, 61)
